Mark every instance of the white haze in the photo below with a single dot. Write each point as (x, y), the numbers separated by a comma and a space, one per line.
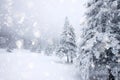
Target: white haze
(49, 15)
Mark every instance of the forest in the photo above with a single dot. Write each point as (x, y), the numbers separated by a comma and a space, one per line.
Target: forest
(60, 40)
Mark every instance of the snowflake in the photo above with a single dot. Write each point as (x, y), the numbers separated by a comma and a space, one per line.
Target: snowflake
(33, 42)
(36, 34)
(35, 24)
(19, 44)
(92, 65)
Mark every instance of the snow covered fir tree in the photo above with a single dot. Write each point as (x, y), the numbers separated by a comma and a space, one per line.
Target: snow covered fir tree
(101, 41)
(67, 46)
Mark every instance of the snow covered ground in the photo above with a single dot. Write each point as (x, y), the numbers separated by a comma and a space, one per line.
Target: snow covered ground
(24, 65)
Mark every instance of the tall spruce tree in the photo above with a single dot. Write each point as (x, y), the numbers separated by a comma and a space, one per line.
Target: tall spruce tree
(101, 32)
(68, 44)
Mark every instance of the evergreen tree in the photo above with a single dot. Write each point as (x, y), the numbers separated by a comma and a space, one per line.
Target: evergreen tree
(52, 46)
(107, 58)
(101, 32)
(6, 24)
(49, 50)
(68, 43)
(110, 77)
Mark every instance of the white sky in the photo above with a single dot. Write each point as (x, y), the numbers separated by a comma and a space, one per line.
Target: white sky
(51, 14)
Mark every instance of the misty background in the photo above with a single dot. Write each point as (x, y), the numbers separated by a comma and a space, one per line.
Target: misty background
(32, 24)
(49, 15)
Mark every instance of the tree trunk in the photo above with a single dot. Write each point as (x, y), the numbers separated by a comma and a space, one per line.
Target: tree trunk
(67, 59)
(71, 60)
